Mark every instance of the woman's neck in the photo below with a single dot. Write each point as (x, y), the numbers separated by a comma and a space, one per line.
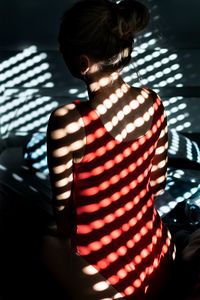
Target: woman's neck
(103, 86)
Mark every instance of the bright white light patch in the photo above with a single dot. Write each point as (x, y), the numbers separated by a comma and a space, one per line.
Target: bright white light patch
(101, 286)
(90, 270)
(118, 296)
(73, 91)
(139, 122)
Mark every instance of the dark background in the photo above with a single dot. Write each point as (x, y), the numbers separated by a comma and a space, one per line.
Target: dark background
(24, 23)
(174, 26)
(34, 81)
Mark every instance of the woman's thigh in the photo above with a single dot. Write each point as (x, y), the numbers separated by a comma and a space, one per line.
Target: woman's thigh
(73, 273)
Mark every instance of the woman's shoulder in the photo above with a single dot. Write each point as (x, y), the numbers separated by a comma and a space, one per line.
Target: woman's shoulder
(146, 92)
(65, 121)
(65, 112)
(66, 116)
(151, 95)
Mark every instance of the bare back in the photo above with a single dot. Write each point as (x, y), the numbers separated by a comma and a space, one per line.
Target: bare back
(127, 116)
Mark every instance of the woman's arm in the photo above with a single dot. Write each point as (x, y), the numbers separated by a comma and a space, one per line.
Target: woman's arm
(65, 143)
(63, 133)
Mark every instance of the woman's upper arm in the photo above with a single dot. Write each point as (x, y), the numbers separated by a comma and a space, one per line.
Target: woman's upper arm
(59, 156)
(64, 140)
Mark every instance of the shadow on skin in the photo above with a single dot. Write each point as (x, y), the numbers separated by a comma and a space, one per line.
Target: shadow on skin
(76, 277)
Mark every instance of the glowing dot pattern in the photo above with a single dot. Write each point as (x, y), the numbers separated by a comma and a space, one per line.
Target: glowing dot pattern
(22, 110)
(119, 232)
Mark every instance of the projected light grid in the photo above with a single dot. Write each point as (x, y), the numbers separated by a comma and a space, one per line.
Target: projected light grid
(154, 67)
(27, 69)
(35, 153)
(145, 62)
(181, 183)
(158, 68)
(115, 218)
(21, 77)
(181, 186)
(182, 147)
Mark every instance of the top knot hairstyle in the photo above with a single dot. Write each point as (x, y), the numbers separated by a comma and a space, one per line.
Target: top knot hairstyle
(103, 30)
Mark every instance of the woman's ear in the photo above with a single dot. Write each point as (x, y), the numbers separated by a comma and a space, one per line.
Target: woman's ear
(84, 64)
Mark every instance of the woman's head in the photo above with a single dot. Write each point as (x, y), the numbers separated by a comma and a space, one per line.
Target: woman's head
(101, 30)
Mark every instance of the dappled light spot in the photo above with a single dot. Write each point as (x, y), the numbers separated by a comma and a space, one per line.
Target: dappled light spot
(2, 167)
(122, 251)
(140, 99)
(110, 145)
(62, 182)
(164, 249)
(115, 234)
(103, 186)
(61, 152)
(156, 263)
(144, 253)
(103, 264)
(114, 179)
(89, 270)
(84, 229)
(112, 257)
(106, 240)
(104, 81)
(133, 221)
(58, 134)
(95, 246)
(109, 164)
(134, 104)
(157, 181)
(101, 151)
(122, 273)
(17, 177)
(91, 191)
(115, 196)
(114, 279)
(88, 208)
(138, 259)
(154, 240)
(83, 250)
(130, 244)
(137, 238)
(118, 296)
(97, 224)
(109, 218)
(59, 169)
(100, 286)
(129, 290)
(76, 146)
(41, 175)
(137, 283)
(63, 196)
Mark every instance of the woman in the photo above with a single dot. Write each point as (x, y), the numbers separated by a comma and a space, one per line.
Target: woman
(107, 160)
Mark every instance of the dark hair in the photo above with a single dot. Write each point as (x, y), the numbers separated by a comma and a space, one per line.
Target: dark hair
(102, 30)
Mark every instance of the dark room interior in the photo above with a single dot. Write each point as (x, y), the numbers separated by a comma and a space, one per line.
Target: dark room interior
(34, 81)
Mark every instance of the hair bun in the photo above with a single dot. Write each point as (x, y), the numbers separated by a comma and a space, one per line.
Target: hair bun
(132, 17)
